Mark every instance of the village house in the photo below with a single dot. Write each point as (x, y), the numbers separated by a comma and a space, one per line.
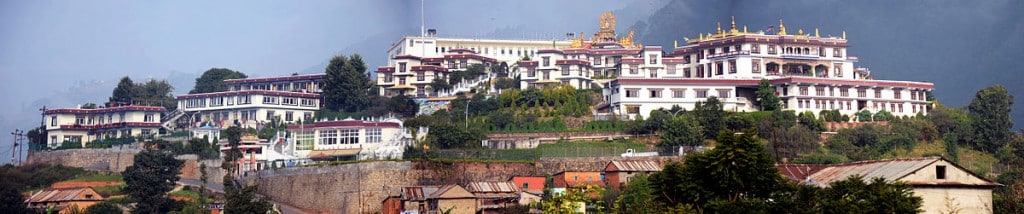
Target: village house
(64, 199)
(494, 197)
(943, 185)
(78, 125)
(437, 199)
(618, 173)
(532, 184)
(567, 179)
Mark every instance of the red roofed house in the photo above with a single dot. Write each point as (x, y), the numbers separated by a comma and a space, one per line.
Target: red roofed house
(437, 199)
(617, 173)
(64, 199)
(77, 125)
(939, 182)
(534, 184)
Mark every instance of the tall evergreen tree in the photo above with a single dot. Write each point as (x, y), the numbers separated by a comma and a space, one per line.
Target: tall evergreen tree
(152, 174)
(681, 130)
(347, 86)
(711, 116)
(124, 92)
(990, 113)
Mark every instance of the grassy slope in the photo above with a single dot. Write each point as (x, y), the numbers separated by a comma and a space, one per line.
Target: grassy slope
(978, 162)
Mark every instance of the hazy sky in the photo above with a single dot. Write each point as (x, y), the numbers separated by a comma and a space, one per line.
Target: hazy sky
(63, 53)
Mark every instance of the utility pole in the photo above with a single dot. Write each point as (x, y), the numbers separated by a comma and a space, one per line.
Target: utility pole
(14, 149)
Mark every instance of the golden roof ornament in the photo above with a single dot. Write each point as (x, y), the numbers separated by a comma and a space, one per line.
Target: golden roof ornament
(627, 41)
(782, 28)
(844, 34)
(800, 32)
(816, 33)
(744, 29)
(719, 31)
(732, 28)
(675, 44)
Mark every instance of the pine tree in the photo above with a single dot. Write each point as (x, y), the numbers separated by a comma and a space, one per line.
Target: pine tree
(766, 95)
(990, 112)
(346, 85)
(124, 92)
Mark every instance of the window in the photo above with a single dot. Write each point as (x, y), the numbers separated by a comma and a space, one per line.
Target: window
(632, 92)
(451, 64)
(288, 116)
(896, 94)
(771, 50)
(531, 72)
(803, 91)
(149, 118)
(289, 101)
(686, 73)
(652, 72)
(633, 70)
(838, 69)
(913, 95)
(670, 69)
(217, 101)
(732, 66)
(632, 109)
(545, 61)
(837, 52)
(724, 93)
(686, 59)
(719, 67)
(420, 76)
(269, 100)
(309, 102)
(655, 92)
(373, 135)
(348, 136)
(463, 63)
(862, 93)
(328, 137)
(755, 66)
(940, 172)
(755, 48)
(122, 118)
(79, 120)
(819, 91)
(244, 99)
(304, 140)
(702, 94)
(678, 93)
(565, 70)
(270, 115)
(146, 132)
(526, 185)
(401, 80)
(653, 59)
(878, 93)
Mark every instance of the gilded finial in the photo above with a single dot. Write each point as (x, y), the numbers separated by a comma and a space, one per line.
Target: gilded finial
(719, 28)
(800, 32)
(844, 34)
(782, 28)
(675, 44)
(816, 33)
(732, 28)
(744, 29)
(701, 36)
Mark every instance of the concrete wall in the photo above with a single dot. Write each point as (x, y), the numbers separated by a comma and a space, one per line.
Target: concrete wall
(361, 187)
(112, 159)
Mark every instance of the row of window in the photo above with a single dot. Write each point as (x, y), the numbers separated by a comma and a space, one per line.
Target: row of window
(677, 93)
(896, 94)
(246, 99)
(348, 136)
(487, 50)
(102, 119)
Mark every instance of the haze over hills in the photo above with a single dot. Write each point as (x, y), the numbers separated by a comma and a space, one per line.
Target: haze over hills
(961, 46)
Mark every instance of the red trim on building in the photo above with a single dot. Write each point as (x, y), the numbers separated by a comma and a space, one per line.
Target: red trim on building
(428, 68)
(106, 110)
(344, 123)
(544, 51)
(407, 57)
(435, 59)
(470, 56)
(385, 69)
(571, 62)
(460, 50)
(251, 92)
(784, 80)
(528, 63)
(109, 125)
(275, 79)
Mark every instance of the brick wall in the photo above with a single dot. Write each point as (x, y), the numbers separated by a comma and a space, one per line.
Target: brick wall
(111, 159)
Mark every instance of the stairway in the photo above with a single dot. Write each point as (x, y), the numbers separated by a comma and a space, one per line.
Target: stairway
(170, 120)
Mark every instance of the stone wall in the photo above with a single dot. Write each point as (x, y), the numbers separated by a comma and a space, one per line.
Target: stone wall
(361, 187)
(111, 159)
(190, 169)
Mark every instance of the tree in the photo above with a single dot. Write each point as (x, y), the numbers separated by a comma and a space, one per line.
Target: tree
(638, 197)
(864, 116)
(882, 115)
(681, 130)
(155, 93)
(346, 86)
(212, 80)
(404, 106)
(11, 199)
(711, 116)
(990, 112)
(105, 207)
(668, 184)
(439, 84)
(736, 172)
(124, 92)
(808, 120)
(152, 174)
(574, 199)
(766, 95)
(878, 196)
(89, 106)
(239, 200)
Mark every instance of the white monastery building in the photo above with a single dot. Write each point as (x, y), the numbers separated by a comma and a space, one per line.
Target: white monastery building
(76, 125)
(255, 100)
(808, 72)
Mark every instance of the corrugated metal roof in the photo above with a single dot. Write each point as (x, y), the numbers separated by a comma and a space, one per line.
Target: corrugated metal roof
(890, 170)
(442, 190)
(417, 193)
(635, 166)
(798, 172)
(493, 187)
(63, 194)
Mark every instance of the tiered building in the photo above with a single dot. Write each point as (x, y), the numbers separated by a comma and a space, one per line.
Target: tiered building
(77, 125)
(255, 100)
(809, 73)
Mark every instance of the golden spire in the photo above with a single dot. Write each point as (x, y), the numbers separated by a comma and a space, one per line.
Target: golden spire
(816, 33)
(782, 28)
(675, 44)
(701, 36)
(732, 29)
(719, 28)
(844, 34)
(800, 32)
(744, 29)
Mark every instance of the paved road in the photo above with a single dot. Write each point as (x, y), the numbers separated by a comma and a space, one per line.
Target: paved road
(219, 188)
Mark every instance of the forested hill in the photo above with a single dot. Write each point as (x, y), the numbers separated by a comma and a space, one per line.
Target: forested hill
(961, 46)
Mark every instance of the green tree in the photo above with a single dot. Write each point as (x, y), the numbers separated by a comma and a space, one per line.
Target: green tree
(124, 92)
(766, 95)
(404, 106)
(808, 120)
(239, 200)
(638, 196)
(990, 112)
(89, 106)
(711, 116)
(212, 80)
(152, 174)
(439, 84)
(681, 130)
(156, 93)
(105, 207)
(736, 171)
(882, 115)
(346, 86)
(11, 200)
(864, 116)
(574, 199)
(878, 196)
